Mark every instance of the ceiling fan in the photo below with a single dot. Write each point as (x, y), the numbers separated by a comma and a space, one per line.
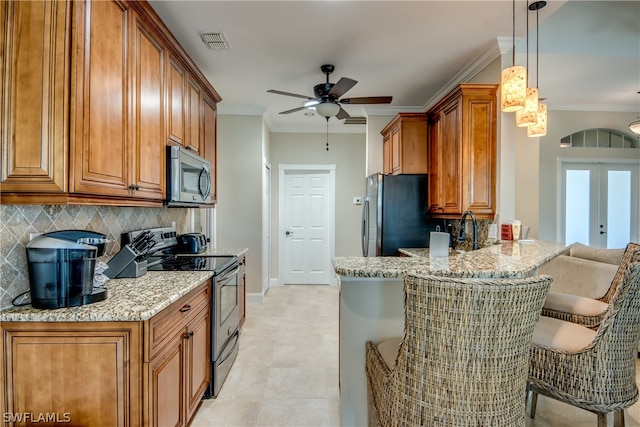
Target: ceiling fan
(326, 101)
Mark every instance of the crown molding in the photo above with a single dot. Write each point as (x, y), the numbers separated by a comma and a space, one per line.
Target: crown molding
(467, 73)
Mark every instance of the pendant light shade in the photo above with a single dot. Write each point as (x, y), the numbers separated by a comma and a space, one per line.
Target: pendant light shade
(540, 128)
(529, 114)
(513, 88)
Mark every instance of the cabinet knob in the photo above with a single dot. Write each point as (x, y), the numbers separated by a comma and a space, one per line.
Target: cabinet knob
(187, 335)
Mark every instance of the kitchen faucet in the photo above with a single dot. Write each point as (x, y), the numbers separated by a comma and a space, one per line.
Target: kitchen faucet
(462, 236)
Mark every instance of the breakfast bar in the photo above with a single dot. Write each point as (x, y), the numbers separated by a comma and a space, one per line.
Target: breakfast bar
(372, 299)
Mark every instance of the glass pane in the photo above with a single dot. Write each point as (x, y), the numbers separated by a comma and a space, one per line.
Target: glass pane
(577, 207)
(577, 139)
(616, 140)
(618, 209)
(591, 138)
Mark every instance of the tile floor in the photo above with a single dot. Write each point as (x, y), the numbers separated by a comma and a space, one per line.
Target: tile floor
(286, 373)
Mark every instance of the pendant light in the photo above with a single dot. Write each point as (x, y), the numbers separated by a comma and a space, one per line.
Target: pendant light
(540, 128)
(529, 114)
(513, 84)
(635, 126)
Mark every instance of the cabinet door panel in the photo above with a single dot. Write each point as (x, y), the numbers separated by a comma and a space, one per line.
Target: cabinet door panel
(100, 96)
(35, 111)
(482, 156)
(82, 376)
(167, 383)
(193, 115)
(198, 360)
(175, 86)
(396, 152)
(149, 130)
(451, 176)
(386, 155)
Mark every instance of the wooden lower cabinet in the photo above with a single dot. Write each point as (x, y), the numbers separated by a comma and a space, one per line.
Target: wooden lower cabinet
(110, 373)
(179, 374)
(83, 373)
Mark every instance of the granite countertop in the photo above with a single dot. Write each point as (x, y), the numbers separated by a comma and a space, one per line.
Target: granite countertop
(128, 300)
(507, 260)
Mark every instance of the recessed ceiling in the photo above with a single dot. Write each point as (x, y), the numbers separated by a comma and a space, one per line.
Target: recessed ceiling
(411, 50)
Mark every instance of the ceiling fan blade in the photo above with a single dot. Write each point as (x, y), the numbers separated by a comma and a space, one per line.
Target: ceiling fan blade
(293, 110)
(368, 100)
(279, 92)
(343, 85)
(342, 114)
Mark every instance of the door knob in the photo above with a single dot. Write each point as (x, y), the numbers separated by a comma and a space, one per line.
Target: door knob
(601, 231)
(288, 233)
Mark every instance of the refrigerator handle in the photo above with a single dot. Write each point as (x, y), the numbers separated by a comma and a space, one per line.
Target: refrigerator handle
(365, 228)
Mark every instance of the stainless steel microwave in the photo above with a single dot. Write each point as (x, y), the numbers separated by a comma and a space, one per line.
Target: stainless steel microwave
(189, 179)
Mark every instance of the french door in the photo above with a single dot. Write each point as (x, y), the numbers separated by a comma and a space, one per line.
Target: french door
(599, 203)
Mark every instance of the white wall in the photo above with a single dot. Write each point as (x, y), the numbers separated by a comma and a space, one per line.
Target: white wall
(239, 208)
(561, 124)
(347, 152)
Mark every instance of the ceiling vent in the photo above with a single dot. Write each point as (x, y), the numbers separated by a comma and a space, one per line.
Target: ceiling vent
(355, 121)
(215, 40)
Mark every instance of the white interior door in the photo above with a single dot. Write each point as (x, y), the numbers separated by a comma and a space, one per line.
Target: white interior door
(599, 204)
(266, 228)
(306, 226)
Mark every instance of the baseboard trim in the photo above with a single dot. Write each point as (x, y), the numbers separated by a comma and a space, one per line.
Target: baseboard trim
(255, 297)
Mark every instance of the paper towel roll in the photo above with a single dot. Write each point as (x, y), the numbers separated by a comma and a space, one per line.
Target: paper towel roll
(439, 244)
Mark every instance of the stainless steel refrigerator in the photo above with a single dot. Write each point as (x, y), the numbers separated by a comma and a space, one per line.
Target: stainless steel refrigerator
(395, 214)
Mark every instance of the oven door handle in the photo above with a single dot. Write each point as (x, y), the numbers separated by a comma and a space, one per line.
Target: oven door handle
(233, 348)
(228, 276)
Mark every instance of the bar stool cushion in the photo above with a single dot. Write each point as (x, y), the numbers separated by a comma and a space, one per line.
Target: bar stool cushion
(561, 336)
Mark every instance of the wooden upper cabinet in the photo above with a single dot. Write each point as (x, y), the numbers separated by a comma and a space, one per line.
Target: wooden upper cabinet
(35, 106)
(99, 143)
(193, 115)
(96, 91)
(462, 152)
(148, 124)
(176, 83)
(405, 150)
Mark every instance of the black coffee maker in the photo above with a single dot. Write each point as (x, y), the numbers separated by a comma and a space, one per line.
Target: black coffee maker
(62, 267)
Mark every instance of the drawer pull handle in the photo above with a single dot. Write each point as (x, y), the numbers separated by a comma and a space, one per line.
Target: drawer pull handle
(185, 308)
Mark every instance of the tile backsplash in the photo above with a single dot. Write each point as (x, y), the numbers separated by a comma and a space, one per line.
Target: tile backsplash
(18, 222)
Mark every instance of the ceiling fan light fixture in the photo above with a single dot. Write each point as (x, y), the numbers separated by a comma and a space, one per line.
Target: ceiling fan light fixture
(635, 126)
(529, 114)
(327, 109)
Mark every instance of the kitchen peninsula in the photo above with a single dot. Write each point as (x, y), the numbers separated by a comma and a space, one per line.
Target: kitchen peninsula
(372, 308)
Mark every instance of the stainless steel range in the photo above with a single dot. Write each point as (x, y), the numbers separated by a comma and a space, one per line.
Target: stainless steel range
(168, 255)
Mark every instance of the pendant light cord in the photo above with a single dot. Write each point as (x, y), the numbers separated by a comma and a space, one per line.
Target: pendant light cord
(513, 34)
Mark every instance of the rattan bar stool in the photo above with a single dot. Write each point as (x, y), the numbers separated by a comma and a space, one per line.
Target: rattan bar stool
(591, 369)
(585, 311)
(463, 358)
